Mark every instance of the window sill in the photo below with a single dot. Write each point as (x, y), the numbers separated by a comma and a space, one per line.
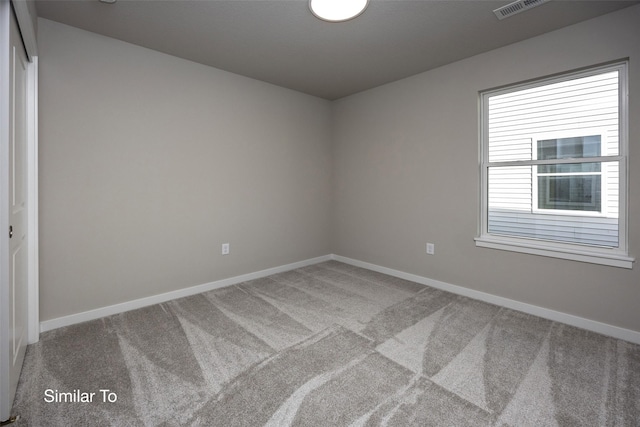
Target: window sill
(579, 253)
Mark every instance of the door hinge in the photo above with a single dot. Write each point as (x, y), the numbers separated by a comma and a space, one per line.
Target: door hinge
(10, 231)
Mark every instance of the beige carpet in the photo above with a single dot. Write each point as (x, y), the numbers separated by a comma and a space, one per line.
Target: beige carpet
(328, 345)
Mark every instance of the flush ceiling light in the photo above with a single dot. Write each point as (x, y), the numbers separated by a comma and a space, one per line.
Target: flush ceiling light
(337, 10)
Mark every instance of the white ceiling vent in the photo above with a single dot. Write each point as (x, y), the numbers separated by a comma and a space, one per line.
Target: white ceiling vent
(517, 7)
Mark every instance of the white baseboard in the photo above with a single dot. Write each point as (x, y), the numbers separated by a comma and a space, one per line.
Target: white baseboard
(557, 316)
(98, 313)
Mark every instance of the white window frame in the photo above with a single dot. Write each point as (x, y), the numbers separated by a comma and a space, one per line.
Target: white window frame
(603, 172)
(611, 256)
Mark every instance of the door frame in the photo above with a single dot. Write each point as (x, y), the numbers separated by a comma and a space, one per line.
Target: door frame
(33, 263)
(26, 23)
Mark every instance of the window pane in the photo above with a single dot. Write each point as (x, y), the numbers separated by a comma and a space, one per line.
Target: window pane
(581, 208)
(569, 148)
(511, 188)
(572, 108)
(573, 192)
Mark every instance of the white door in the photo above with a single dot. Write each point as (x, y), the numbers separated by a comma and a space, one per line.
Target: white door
(15, 297)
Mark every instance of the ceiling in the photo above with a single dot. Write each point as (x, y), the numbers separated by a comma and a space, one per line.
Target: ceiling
(281, 42)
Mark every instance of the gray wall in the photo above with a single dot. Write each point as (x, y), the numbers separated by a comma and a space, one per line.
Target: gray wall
(148, 163)
(406, 173)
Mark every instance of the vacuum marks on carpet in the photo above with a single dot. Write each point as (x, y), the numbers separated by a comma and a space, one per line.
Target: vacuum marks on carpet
(331, 345)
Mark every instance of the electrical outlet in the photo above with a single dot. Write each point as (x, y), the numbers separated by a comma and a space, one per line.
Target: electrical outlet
(225, 249)
(431, 248)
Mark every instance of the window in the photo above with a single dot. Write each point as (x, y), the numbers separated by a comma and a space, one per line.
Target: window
(568, 187)
(553, 167)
